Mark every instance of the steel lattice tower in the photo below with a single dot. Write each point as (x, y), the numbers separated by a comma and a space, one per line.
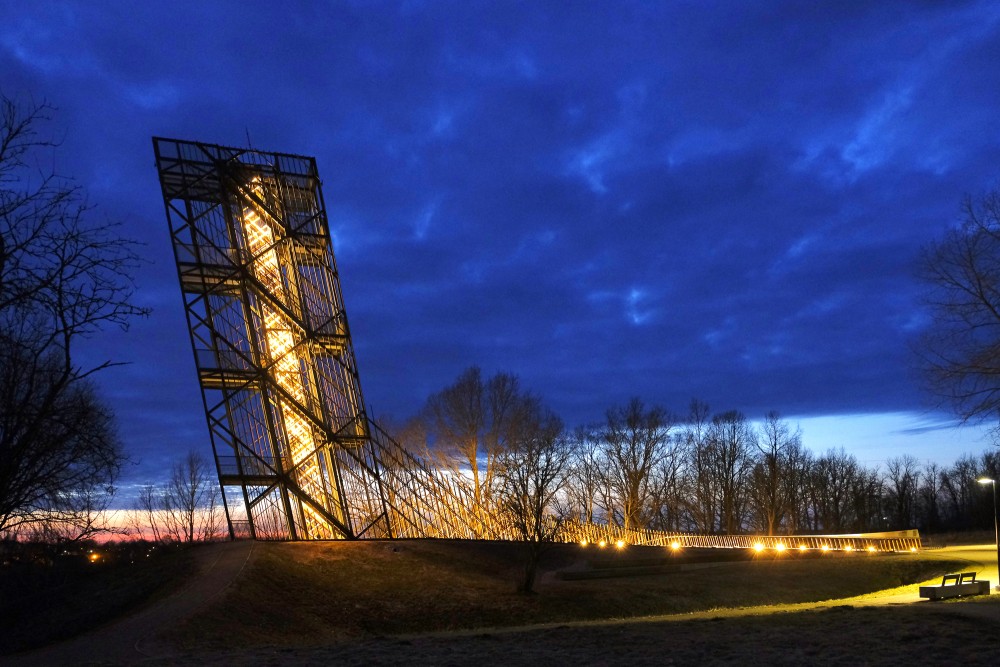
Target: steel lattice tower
(293, 445)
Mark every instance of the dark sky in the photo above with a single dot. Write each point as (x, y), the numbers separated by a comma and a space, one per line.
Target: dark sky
(669, 200)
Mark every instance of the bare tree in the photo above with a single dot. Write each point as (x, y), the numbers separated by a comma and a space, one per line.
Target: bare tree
(832, 480)
(799, 463)
(191, 501)
(929, 498)
(62, 278)
(903, 478)
(531, 471)
(964, 505)
(57, 441)
(668, 502)
(412, 435)
(635, 441)
(961, 350)
(455, 419)
(76, 517)
(146, 512)
(732, 442)
(867, 501)
(703, 506)
(473, 419)
(583, 485)
(958, 486)
(773, 475)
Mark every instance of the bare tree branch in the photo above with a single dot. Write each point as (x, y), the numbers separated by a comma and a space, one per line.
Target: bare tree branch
(960, 352)
(62, 278)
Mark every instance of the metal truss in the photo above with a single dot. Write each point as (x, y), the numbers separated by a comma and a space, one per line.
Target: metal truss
(296, 454)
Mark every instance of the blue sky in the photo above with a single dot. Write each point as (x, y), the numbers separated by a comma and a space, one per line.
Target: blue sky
(669, 200)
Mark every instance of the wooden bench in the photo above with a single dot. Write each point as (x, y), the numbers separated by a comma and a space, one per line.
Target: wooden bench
(954, 585)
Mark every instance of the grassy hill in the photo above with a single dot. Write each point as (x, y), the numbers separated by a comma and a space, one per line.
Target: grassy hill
(299, 594)
(449, 602)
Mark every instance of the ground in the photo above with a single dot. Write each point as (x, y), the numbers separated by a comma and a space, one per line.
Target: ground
(884, 627)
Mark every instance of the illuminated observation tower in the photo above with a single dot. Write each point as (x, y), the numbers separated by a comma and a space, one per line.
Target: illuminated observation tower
(296, 454)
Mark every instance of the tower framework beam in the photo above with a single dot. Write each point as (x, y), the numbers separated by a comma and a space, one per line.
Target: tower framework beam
(269, 333)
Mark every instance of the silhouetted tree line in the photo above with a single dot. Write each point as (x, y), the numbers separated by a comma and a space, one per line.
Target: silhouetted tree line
(721, 474)
(707, 472)
(187, 507)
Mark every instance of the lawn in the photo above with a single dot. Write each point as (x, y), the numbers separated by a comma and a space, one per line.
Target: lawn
(297, 594)
(452, 602)
(902, 635)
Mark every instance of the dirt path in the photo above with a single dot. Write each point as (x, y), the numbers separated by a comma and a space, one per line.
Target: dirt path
(133, 639)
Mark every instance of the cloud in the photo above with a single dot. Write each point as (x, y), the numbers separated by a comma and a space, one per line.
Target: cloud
(662, 200)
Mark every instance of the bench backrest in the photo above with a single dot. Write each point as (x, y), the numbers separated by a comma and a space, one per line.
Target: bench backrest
(960, 578)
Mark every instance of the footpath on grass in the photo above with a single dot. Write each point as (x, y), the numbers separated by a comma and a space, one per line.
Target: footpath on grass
(133, 639)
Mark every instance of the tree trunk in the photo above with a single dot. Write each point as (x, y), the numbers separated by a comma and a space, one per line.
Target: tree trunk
(533, 554)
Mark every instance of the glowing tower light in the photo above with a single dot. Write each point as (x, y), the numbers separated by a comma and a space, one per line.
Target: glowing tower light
(280, 354)
(291, 438)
